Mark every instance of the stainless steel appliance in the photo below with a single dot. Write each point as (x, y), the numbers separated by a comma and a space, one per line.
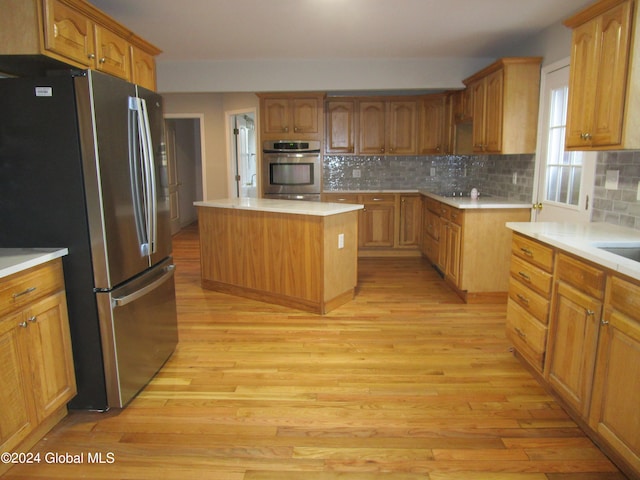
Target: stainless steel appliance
(291, 169)
(81, 163)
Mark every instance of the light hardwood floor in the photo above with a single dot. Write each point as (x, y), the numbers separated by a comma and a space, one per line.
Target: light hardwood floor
(403, 383)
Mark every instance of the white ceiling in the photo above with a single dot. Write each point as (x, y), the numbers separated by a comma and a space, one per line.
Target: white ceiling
(335, 29)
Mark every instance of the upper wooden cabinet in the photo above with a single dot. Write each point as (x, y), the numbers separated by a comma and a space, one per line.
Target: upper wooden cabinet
(38, 35)
(291, 116)
(600, 114)
(434, 125)
(504, 103)
(387, 126)
(340, 126)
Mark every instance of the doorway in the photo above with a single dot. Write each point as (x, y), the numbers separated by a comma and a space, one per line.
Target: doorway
(184, 157)
(242, 154)
(564, 180)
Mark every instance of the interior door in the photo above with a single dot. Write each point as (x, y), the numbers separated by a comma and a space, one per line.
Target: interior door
(565, 179)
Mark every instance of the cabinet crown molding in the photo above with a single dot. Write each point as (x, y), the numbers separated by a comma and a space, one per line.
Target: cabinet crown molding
(501, 63)
(591, 12)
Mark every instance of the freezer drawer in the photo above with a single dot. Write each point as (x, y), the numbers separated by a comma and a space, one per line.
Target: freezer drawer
(138, 322)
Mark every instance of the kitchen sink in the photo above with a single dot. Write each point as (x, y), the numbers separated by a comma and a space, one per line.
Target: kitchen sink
(632, 253)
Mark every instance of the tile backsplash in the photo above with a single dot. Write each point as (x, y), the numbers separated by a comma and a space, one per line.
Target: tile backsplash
(490, 174)
(510, 176)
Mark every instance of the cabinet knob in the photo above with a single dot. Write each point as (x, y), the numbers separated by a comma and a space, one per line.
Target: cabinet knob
(590, 313)
(604, 322)
(382, 150)
(91, 56)
(33, 319)
(296, 129)
(586, 136)
(103, 60)
(23, 324)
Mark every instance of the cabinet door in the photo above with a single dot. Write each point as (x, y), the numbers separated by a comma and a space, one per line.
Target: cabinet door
(50, 353)
(410, 220)
(573, 336)
(340, 127)
(432, 124)
(275, 115)
(377, 225)
(478, 108)
(454, 239)
(612, 67)
(402, 128)
(112, 53)
(494, 112)
(614, 413)
(18, 414)
(371, 138)
(69, 33)
(305, 115)
(143, 69)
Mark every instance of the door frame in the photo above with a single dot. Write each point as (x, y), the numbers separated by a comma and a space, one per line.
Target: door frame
(231, 168)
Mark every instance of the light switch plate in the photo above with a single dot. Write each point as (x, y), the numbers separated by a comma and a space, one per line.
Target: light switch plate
(356, 173)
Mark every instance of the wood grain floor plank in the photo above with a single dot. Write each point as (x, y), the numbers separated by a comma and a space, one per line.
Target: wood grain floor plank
(403, 383)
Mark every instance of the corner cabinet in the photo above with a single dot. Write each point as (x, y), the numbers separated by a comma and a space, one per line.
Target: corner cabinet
(603, 78)
(504, 101)
(35, 346)
(55, 34)
(291, 116)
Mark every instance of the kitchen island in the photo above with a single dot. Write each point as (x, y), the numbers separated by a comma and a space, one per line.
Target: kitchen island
(294, 253)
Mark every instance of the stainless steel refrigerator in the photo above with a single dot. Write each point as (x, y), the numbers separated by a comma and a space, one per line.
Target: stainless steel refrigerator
(82, 166)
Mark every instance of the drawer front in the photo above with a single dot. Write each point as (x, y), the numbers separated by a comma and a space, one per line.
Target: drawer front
(22, 288)
(529, 336)
(530, 301)
(624, 296)
(444, 211)
(378, 198)
(531, 276)
(533, 252)
(456, 215)
(433, 205)
(340, 197)
(582, 276)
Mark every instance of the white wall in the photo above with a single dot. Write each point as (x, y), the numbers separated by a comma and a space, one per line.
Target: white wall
(316, 75)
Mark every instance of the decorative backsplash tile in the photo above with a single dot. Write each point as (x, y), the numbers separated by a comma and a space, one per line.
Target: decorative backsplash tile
(510, 176)
(621, 206)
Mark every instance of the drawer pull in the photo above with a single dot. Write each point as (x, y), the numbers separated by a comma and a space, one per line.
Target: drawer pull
(521, 334)
(523, 298)
(24, 292)
(525, 276)
(526, 251)
(376, 199)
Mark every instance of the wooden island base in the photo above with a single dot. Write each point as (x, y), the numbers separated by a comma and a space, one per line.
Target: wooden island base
(303, 261)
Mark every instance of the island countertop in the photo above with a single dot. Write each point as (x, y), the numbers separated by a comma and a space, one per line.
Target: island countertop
(295, 207)
(14, 260)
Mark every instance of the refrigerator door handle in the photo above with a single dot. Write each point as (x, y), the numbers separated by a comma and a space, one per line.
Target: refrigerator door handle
(152, 212)
(125, 300)
(137, 190)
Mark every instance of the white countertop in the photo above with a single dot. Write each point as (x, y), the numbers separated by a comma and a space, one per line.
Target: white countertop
(294, 207)
(582, 239)
(480, 202)
(14, 260)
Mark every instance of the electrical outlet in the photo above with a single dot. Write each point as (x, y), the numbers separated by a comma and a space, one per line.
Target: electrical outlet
(638, 194)
(341, 240)
(515, 178)
(432, 172)
(356, 173)
(611, 179)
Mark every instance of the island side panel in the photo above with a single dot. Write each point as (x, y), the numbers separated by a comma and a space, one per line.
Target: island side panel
(340, 264)
(268, 256)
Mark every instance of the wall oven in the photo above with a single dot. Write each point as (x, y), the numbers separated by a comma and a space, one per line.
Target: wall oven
(291, 169)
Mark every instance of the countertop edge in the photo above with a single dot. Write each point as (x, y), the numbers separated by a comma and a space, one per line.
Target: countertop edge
(16, 260)
(582, 244)
(467, 203)
(291, 207)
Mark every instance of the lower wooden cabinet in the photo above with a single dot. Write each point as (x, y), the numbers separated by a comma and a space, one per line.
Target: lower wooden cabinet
(590, 355)
(37, 373)
(389, 225)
